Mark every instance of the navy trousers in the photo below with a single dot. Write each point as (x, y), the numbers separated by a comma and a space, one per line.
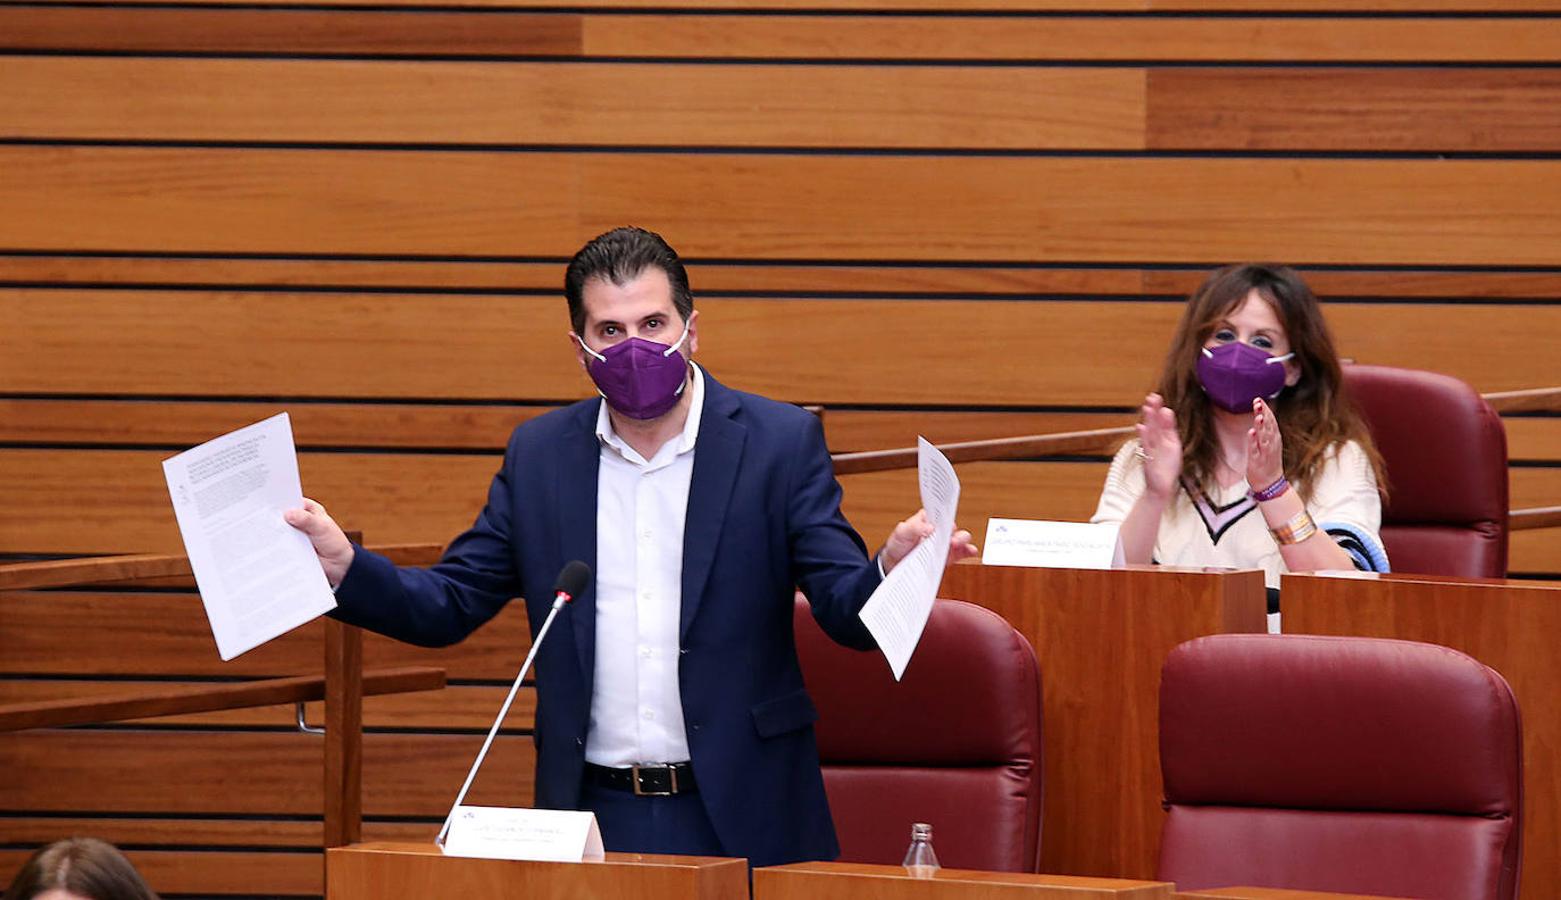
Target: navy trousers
(631, 824)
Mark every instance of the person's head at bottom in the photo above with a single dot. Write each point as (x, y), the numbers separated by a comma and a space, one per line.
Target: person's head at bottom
(78, 869)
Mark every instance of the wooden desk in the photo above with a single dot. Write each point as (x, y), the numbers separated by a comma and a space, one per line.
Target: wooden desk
(398, 871)
(854, 881)
(1512, 626)
(1101, 637)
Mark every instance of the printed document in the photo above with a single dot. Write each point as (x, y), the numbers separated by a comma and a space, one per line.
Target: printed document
(897, 611)
(258, 576)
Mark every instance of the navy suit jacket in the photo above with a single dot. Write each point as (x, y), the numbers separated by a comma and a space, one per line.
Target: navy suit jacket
(763, 518)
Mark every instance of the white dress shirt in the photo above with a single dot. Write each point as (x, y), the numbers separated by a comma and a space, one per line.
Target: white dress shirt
(641, 505)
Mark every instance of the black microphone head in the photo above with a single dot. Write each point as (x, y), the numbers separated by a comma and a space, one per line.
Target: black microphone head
(573, 580)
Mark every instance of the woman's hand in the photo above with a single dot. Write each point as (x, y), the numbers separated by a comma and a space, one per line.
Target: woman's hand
(1159, 446)
(1265, 449)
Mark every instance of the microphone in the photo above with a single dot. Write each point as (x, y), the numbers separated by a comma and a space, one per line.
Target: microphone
(571, 583)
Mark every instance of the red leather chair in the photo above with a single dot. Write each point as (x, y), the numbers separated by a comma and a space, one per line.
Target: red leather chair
(1445, 452)
(956, 744)
(1354, 765)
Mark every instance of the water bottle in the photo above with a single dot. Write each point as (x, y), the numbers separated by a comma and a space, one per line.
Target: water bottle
(920, 861)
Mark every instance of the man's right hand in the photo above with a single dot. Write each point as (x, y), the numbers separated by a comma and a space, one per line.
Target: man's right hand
(330, 544)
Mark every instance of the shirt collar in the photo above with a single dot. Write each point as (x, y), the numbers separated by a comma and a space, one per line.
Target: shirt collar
(684, 442)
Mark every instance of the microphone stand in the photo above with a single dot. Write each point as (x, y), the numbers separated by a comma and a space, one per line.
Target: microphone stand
(558, 603)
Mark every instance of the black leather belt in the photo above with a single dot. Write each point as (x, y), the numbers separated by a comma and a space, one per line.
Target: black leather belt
(645, 781)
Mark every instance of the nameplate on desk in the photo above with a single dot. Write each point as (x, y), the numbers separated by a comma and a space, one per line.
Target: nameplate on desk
(1042, 544)
(541, 835)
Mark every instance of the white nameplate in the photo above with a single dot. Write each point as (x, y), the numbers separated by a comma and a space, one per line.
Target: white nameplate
(544, 835)
(1062, 545)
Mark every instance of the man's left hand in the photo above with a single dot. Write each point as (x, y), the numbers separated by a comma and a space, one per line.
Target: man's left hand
(913, 531)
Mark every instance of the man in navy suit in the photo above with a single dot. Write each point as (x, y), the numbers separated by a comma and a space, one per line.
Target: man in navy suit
(669, 697)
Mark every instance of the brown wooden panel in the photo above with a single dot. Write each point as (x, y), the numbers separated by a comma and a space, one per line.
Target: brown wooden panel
(705, 278)
(514, 348)
(86, 98)
(715, 278)
(1533, 438)
(412, 499)
(980, 5)
(1179, 210)
(1481, 110)
(214, 871)
(1211, 39)
(126, 28)
(758, 36)
(199, 772)
(203, 832)
(454, 707)
(83, 633)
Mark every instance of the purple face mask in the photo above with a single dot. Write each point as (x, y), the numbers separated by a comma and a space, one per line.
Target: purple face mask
(1235, 374)
(639, 378)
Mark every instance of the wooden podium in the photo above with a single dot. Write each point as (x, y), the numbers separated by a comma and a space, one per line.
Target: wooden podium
(851, 881)
(1101, 637)
(1510, 625)
(397, 871)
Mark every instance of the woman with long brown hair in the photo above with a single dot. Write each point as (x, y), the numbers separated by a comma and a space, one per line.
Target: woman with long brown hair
(78, 868)
(1249, 455)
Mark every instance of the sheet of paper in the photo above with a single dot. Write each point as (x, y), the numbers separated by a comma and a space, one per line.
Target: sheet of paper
(1038, 543)
(258, 576)
(897, 611)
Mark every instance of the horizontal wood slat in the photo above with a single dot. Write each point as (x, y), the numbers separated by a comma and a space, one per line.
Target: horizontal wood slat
(304, 835)
(973, 5)
(459, 707)
(410, 427)
(264, 773)
(516, 349)
(717, 278)
(1410, 212)
(73, 98)
(152, 702)
(386, 493)
(272, 874)
(1478, 110)
(139, 634)
(769, 35)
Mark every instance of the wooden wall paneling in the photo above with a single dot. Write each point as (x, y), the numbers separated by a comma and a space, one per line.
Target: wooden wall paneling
(1174, 210)
(356, 101)
(970, 6)
(455, 707)
(706, 278)
(304, 834)
(416, 498)
(1064, 38)
(515, 349)
(260, 773)
(129, 28)
(502, 275)
(164, 634)
(208, 872)
(1398, 109)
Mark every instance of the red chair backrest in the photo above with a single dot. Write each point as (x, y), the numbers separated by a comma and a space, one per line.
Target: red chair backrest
(956, 744)
(1354, 765)
(1445, 452)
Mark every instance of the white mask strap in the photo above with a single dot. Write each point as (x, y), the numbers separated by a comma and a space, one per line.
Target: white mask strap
(585, 348)
(674, 348)
(1280, 359)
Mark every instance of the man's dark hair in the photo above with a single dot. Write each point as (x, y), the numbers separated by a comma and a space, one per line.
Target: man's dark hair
(619, 256)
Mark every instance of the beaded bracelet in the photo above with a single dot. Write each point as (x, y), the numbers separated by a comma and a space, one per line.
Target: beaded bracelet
(1299, 528)
(1270, 492)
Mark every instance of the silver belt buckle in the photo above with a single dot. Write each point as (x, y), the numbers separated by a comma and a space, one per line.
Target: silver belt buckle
(639, 788)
